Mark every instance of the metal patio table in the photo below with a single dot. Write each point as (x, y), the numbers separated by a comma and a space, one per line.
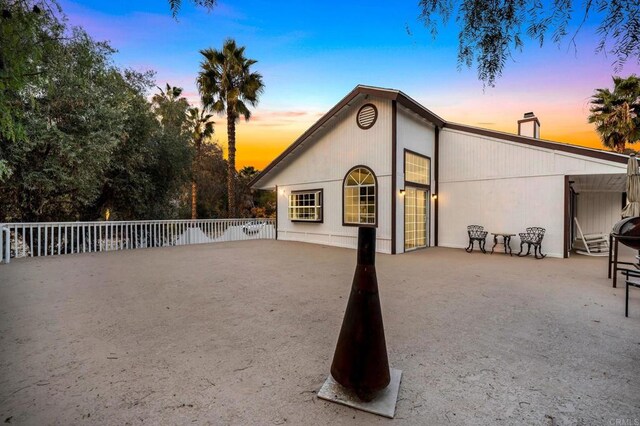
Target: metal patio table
(506, 239)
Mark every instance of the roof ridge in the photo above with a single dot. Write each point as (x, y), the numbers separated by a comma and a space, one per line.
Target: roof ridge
(367, 86)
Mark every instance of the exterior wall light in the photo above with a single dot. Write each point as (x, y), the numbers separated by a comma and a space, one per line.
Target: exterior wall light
(434, 196)
(401, 191)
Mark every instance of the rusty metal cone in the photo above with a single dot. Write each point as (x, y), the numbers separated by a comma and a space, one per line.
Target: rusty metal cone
(360, 361)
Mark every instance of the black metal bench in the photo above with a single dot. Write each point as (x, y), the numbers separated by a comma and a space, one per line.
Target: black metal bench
(532, 237)
(476, 233)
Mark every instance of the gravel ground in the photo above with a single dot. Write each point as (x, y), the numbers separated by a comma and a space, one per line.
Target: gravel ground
(244, 332)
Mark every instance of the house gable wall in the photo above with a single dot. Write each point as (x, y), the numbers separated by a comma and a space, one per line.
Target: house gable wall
(323, 164)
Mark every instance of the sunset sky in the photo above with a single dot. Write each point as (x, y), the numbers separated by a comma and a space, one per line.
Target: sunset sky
(311, 54)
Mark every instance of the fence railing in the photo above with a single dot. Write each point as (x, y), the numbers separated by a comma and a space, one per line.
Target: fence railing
(57, 238)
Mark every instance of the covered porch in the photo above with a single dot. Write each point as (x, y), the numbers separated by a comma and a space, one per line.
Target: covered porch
(593, 204)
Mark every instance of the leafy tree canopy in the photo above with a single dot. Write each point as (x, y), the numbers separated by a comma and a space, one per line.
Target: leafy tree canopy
(491, 30)
(27, 31)
(82, 137)
(175, 5)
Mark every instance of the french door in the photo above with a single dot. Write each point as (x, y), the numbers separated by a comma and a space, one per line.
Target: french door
(416, 218)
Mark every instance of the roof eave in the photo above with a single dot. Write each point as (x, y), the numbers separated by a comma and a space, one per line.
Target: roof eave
(541, 143)
(414, 106)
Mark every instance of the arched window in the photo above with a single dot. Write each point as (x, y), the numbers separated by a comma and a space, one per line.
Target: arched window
(360, 204)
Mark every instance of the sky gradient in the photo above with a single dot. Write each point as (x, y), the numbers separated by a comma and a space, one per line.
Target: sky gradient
(312, 54)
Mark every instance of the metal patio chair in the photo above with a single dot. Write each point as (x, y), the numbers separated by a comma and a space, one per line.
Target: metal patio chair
(532, 237)
(632, 280)
(476, 233)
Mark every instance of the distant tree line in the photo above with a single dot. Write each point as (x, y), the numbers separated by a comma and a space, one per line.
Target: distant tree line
(80, 139)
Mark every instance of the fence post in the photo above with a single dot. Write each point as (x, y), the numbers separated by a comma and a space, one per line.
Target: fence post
(6, 253)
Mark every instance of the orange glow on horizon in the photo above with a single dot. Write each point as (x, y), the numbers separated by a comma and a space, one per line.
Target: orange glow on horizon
(261, 139)
(259, 142)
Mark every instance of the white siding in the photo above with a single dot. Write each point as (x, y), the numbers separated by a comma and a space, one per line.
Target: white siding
(331, 231)
(597, 212)
(465, 156)
(505, 186)
(415, 134)
(337, 148)
(503, 205)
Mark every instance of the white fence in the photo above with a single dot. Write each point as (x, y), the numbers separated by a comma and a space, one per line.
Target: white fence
(56, 238)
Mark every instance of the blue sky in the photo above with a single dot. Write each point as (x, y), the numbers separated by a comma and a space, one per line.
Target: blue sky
(312, 54)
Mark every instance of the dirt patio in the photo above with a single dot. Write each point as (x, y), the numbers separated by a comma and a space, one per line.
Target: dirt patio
(244, 332)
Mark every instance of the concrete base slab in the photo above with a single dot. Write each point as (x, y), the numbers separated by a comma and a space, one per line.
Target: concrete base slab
(384, 404)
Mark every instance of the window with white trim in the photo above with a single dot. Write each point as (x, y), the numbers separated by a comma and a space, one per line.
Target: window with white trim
(305, 206)
(360, 197)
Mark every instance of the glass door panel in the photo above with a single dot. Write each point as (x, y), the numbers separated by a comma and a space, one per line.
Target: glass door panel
(416, 218)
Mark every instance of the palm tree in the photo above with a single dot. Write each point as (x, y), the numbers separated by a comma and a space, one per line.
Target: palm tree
(170, 107)
(246, 194)
(228, 86)
(617, 114)
(248, 172)
(201, 129)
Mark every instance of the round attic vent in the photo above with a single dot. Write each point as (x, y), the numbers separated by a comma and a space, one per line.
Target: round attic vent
(367, 116)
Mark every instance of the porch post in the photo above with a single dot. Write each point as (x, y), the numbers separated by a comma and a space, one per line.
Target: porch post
(567, 218)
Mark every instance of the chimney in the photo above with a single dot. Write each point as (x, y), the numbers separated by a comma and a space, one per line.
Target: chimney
(529, 126)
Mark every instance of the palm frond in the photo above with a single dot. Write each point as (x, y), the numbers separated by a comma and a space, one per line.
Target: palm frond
(243, 111)
(616, 113)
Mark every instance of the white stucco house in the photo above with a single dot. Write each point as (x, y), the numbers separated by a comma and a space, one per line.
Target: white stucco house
(379, 158)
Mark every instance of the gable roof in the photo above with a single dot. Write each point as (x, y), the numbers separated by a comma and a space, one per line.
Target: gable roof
(412, 105)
